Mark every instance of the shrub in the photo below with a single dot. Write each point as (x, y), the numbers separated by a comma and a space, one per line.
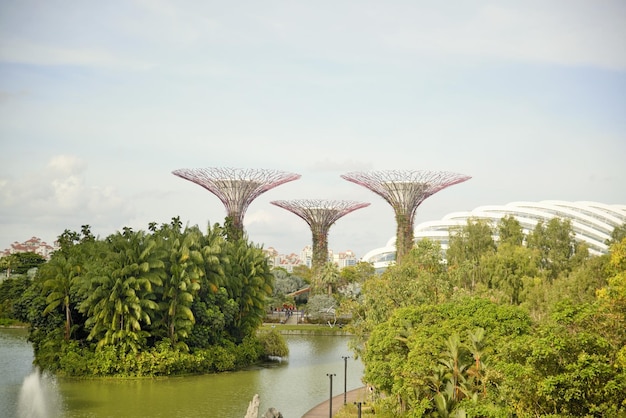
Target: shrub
(273, 343)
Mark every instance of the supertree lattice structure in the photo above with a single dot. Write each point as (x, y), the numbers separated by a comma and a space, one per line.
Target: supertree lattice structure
(236, 187)
(320, 215)
(405, 190)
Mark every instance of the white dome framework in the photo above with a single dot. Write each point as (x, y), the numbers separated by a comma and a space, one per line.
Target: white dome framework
(592, 223)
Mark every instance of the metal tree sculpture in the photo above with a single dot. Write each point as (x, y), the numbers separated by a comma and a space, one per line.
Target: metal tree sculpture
(236, 187)
(405, 191)
(320, 215)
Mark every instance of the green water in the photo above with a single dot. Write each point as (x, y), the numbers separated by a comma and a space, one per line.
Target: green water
(292, 387)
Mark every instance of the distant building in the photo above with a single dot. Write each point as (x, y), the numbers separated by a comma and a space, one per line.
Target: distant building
(344, 259)
(591, 222)
(306, 255)
(289, 261)
(286, 261)
(33, 245)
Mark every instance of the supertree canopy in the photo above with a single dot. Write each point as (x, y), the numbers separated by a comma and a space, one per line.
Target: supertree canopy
(320, 215)
(405, 190)
(236, 187)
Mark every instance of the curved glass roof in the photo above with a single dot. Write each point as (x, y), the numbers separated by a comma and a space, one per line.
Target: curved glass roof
(592, 223)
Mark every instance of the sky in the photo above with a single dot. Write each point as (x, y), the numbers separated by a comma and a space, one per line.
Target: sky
(101, 101)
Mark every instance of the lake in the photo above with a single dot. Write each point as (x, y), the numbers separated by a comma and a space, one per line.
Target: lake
(292, 387)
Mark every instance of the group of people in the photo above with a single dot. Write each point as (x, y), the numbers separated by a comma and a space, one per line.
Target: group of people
(287, 310)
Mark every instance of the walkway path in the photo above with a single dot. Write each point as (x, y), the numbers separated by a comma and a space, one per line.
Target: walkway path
(292, 319)
(322, 410)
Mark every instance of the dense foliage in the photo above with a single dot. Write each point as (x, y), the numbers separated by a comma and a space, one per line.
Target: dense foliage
(140, 303)
(526, 326)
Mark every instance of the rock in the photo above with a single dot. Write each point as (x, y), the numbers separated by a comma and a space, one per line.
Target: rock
(272, 413)
(253, 407)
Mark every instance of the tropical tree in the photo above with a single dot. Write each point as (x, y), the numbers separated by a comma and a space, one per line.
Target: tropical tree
(568, 366)
(122, 295)
(329, 276)
(11, 291)
(556, 246)
(467, 245)
(507, 269)
(304, 272)
(286, 283)
(358, 273)
(420, 278)
(8, 263)
(510, 231)
(60, 275)
(184, 265)
(612, 299)
(22, 262)
(411, 356)
(321, 308)
(617, 235)
(249, 281)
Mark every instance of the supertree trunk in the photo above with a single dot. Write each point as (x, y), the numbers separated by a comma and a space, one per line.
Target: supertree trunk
(404, 235)
(320, 215)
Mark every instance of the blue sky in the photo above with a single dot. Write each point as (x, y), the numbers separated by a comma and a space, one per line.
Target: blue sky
(100, 101)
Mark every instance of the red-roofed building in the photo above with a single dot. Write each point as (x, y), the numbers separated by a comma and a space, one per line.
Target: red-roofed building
(33, 245)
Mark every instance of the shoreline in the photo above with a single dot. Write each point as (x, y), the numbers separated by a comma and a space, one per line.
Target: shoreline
(322, 410)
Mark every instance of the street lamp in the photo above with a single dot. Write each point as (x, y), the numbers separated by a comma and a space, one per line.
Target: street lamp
(345, 377)
(358, 406)
(330, 403)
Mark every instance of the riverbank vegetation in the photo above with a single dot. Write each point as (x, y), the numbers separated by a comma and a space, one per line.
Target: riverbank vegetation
(170, 300)
(529, 326)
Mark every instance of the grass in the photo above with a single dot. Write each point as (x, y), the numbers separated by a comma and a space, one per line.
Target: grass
(351, 411)
(12, 323)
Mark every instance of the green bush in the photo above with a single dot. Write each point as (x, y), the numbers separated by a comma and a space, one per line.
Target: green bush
(249, 351)
(273, 343)
(75, 361)
(223, 358)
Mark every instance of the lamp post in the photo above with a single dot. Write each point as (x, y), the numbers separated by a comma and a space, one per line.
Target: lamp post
(358, 407)
(330, 403)
(345, 377)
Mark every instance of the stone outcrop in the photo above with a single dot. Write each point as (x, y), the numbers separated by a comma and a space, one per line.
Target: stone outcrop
(253, 407)
(253, 410)
(272, 413)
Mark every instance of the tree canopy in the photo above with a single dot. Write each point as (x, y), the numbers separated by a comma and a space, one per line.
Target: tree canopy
(525, 325)
(194, 297)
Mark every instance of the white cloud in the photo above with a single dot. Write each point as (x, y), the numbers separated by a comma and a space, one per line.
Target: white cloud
(68, 192)
(67, 165)
(57, 196)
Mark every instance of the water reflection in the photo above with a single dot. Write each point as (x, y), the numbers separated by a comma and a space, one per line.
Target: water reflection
(16, 357)
(292, 387)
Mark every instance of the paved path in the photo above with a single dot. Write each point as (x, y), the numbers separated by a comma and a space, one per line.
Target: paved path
(322, 410)
(292, 320)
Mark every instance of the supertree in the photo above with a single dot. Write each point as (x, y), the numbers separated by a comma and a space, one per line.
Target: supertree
(320, 215)
(236, 188)
(405, 190)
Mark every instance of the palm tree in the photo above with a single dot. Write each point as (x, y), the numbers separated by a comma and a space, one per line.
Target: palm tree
(123, 297)
(329, 276)
(183, 269)
(250, 283)
(476, 372)
(60, 274)
(456, 369)
(215, 257)
(8, 263)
